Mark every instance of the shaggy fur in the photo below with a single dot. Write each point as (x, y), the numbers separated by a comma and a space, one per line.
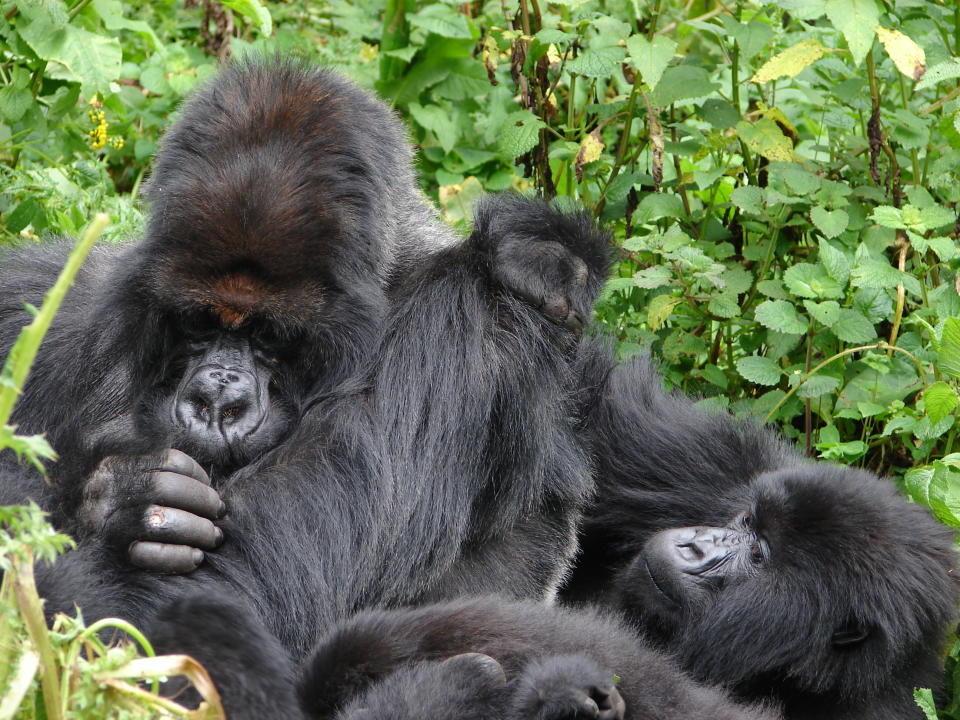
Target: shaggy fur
(422, 444)
(847, 554)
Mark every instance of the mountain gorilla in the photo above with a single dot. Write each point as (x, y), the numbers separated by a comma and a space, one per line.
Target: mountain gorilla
(812, 586)
(815, 585)
(470, 659)
(299, 388)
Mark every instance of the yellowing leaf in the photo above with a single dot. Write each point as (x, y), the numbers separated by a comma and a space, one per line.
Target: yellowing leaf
(590, 148)
(790, 62)
(905, 53)
(766, 138)
(659, 310)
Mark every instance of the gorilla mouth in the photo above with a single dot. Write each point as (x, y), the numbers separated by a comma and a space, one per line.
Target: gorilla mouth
(656, 585)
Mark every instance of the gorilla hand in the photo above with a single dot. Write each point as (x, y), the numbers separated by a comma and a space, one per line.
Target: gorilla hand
(159, 508)
(553, 260)
(567, 687)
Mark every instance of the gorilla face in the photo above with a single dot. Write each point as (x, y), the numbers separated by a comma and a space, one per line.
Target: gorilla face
(823, 577)
(232, 395)
(682, 569)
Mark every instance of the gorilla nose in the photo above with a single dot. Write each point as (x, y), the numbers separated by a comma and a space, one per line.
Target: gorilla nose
(220, 399)
(699, 549)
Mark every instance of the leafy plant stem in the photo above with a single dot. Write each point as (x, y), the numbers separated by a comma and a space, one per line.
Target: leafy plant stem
(77, 9)
(31, 610)
(882, 345)
(901, 295)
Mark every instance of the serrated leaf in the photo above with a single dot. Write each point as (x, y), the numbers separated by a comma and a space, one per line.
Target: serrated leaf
(659, 310)
(72, 53)
(811, 281)
(818, 385)
(653, 277)
(790, 62)
(781, 316)
(765, 137)
(939, 400)
(936, 216)
(835, 262)
(597, 62)
(801, 181)
(748, 198)
(830, 223)
(947, 70)
(888, 216)
(874, 274)
(905, 53)
(826, 313)
(759, 370)
(724, 305)
(521, 132)
(857, 20)
(650, 58)
(852, 327)
(923, 697)
(948, 355)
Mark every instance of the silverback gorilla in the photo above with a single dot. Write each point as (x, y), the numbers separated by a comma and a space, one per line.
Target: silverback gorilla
(299, 388)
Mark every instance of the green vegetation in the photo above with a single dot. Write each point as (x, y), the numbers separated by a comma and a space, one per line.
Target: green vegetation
(781, 179)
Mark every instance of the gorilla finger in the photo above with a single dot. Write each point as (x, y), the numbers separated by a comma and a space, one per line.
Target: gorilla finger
(574, 322)
(164, 558)
(610, 703)
(180, 491)
(172, 525)
(179, 462)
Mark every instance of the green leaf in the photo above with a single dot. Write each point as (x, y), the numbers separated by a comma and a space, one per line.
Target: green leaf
(253, 10)
(818, 385)
(923, 697)
(659, 310)
(653, 277)
(14, 102)
(521, 132)
(658, 205)
(888, 216)
(441, 20)
(835, 262)
(948, 356)
(826, 313)
(748, 198)
(682, 82)
(790, 62)
(801, 181)
(440, 121)
(759, 370)
(781, 316)
(650, 58)
(72, 53)
(766, 138)
(857, 20)
(940, 400)
(724, 305)
(830, 223)
(852, 327)
(597, 62)
(811, 281)
(937, 216)
(947, 70)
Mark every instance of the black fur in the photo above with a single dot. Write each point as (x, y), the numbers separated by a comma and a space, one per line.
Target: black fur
(559, 664)
(424, 440)
(848, 555)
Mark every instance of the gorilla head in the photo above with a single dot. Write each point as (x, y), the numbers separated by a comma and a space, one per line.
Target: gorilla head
(281, 201)
(824, 581)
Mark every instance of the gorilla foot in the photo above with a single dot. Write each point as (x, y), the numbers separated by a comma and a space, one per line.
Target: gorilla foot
(567, 687)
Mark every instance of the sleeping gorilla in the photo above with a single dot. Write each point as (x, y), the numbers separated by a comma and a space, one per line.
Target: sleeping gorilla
(300, 381)
(815, 585)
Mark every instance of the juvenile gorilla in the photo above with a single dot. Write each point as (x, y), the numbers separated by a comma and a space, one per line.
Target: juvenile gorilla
(299, 388)
(472, 659)
(815, 585)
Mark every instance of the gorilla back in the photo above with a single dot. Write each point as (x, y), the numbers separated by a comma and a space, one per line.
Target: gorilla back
(301, 383)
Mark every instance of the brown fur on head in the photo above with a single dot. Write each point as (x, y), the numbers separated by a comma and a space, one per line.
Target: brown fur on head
(267, 197)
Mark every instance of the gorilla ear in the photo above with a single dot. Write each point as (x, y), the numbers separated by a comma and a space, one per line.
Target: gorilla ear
(850, 634)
